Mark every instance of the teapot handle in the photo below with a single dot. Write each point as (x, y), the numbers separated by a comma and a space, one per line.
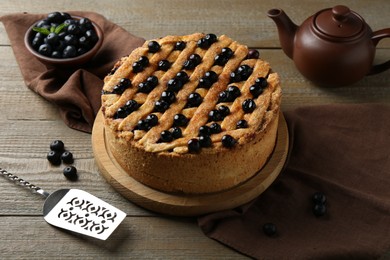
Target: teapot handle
(376, 37)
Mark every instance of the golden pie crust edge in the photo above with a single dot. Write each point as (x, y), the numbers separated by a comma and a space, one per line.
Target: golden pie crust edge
(212, 170)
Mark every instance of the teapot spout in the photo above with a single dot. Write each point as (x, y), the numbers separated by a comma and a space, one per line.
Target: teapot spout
(286, 30)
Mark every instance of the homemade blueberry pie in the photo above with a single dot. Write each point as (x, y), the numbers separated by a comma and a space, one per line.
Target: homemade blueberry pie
(191, 114)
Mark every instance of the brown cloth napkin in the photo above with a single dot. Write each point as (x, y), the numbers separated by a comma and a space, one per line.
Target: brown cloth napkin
(340, 150)
(76, 91)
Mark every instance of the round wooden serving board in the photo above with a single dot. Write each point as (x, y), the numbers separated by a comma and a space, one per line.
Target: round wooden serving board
(187, 205)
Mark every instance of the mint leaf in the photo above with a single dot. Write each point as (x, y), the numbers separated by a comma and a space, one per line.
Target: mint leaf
(46, 31)
(41, 30)
(59, 28)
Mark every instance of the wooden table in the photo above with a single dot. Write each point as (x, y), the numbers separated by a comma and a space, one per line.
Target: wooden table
(29, 123)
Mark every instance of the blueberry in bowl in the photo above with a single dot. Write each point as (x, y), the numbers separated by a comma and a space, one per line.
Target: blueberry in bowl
(61, 39)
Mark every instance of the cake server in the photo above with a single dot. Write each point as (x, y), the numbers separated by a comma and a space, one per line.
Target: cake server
(75, 210)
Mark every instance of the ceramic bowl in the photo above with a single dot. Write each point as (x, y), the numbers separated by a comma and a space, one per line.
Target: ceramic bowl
(64, 62)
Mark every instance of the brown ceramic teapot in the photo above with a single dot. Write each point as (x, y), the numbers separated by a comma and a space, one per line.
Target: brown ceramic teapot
(334, 47)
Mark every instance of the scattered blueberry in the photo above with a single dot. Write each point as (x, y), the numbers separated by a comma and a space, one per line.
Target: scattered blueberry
(319, 204)
(54, 157)
(67, 157)
(269, 229)
(319, 198)
(319, 210)
(70, 172)
(57, 145)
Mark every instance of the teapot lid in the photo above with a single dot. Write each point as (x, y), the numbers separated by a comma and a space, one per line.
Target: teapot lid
(339, 22)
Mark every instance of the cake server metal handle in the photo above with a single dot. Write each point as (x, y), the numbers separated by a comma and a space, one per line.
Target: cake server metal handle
(21, 182)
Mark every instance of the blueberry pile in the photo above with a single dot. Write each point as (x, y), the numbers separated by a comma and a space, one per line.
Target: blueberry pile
(58, 154)
(61, 36)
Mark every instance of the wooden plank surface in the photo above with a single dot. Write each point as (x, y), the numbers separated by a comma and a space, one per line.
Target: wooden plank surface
(138, 238)
(242, 20)
(29, 123)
